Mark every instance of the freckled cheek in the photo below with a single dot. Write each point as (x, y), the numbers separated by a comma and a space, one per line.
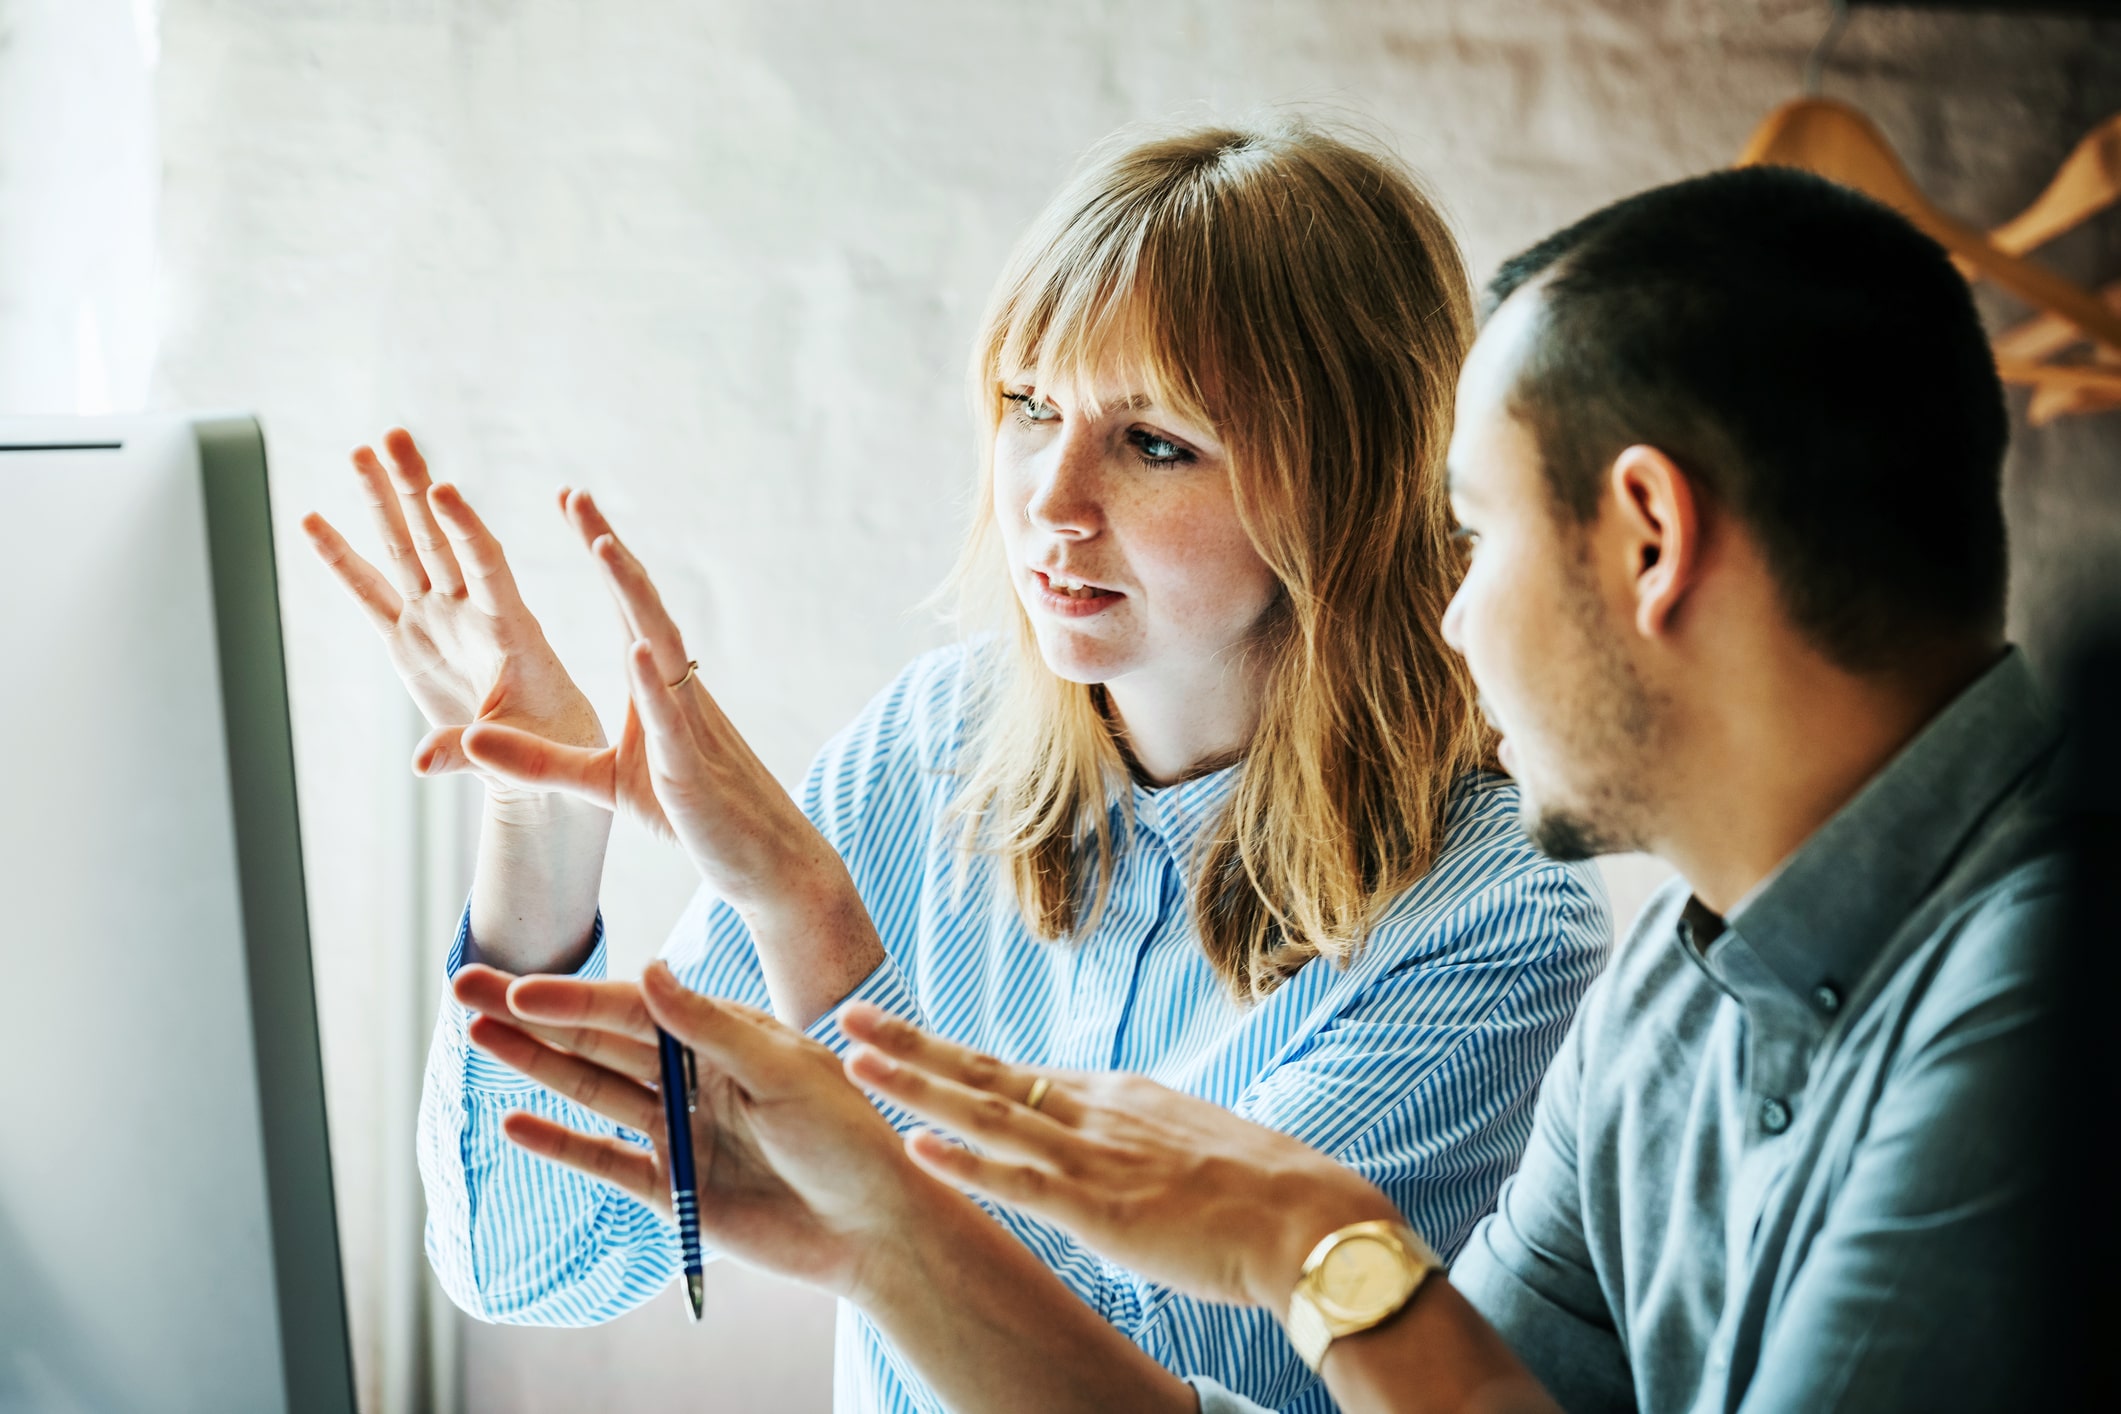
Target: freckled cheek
(1201, 569)
(1011, 490)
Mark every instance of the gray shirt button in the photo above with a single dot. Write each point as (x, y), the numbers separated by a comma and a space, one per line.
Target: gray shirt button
(1774, 1115)
(1827, 998)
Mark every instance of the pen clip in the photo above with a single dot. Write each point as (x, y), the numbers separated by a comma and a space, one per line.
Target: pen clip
(692, 1080)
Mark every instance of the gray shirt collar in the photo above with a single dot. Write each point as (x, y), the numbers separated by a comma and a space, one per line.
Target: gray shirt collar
(1809, 934)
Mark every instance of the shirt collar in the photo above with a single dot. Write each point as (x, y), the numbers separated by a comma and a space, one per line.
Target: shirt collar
(1818, 922)
(1176, 814)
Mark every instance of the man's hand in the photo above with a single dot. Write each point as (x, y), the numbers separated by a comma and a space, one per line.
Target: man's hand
(1173, 1187)
(798, 1174)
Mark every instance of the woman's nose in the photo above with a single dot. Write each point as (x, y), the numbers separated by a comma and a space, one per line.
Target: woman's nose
(1064, 490)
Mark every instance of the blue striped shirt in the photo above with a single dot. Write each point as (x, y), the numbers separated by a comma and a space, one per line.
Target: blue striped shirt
(1417, 1065)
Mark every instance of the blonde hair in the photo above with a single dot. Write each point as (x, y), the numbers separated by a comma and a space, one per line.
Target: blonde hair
(1301, 295)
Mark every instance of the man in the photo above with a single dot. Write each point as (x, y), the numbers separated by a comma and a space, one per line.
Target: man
(1727, 460)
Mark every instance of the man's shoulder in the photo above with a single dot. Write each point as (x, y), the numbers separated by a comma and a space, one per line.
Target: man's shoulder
(1996, 952)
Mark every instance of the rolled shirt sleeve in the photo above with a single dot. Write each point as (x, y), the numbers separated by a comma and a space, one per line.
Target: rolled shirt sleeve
(1528, 1268)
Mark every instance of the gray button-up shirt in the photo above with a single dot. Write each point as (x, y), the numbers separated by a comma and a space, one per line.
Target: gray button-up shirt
(1783, 1160)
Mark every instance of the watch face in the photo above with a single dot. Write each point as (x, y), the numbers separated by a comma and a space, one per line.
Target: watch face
(1361, 1277)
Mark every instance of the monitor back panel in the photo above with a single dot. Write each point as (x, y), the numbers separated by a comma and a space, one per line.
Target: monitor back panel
(137, 1243)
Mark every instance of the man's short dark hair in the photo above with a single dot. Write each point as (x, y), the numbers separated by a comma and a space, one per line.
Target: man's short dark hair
(1815, 364)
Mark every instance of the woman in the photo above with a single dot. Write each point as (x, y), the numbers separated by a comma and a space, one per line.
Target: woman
(1210, 808)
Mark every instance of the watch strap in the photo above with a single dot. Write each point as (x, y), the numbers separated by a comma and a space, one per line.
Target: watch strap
(1308, 1330)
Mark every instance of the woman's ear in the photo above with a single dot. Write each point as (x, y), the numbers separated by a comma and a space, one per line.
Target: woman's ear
(1659, 530)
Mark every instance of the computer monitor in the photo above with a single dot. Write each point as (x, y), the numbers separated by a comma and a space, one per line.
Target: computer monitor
(167, 1240)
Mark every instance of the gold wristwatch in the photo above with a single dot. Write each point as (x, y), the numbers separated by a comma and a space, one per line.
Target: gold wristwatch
(1358, 1277)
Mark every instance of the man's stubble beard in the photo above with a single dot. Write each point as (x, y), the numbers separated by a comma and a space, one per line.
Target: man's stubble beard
(1611, 726)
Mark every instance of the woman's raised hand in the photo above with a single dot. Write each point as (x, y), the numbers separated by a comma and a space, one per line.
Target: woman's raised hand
(682, 769)
(448, 612)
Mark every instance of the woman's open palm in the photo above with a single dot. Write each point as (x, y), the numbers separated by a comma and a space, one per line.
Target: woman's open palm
(448, 612)
(680, 767)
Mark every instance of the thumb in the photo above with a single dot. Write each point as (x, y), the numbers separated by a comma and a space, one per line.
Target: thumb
(440, 752)
(525, 759)
(720, 1032)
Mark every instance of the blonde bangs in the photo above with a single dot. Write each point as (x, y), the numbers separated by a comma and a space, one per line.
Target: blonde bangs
(1107, 306)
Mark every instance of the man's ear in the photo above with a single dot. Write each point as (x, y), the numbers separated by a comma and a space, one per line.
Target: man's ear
(1659, 528)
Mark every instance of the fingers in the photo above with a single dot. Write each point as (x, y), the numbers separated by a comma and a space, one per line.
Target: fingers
(526, 759)
(999, 1124)
(893, 1039)
(483, 988)
(581, 511)
(408, 474)
(639, 603)
(614, 1161)
(1036, 1190)
(643, 606)
(400, 561)
(603, 1006)
(355, 575)
(748, 1045)
(486, 989)
(628, 579)
(487, 578)
(672, 748)
(595, 1087)
(440, 752)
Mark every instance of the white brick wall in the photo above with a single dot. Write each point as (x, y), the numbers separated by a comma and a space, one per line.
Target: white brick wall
(720, 260)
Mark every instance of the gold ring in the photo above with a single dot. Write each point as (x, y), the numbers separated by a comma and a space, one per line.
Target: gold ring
(691, 669)
(1039, 1086)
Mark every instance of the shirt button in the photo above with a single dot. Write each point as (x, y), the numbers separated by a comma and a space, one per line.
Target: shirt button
(1827, 998)
(1774, 1116)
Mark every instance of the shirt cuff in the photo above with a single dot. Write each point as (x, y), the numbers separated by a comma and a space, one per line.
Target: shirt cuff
(1214, 1399)
(464, 950)
(885, 987)
(482, 1071)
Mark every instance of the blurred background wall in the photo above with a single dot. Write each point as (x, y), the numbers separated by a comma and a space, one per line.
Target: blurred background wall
(719, 260)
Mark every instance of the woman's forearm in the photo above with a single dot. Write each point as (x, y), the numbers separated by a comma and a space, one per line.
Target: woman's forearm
(534, 887)
(815, 940)
(991, 1328)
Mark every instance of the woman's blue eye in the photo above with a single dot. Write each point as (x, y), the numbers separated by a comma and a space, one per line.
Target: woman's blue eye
(1159, 451)
(1031, 408)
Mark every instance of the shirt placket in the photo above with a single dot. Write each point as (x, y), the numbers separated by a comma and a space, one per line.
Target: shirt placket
(1107, 965)
(1778, 1048)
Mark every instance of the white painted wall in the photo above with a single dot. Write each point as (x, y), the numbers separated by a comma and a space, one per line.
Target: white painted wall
(720, 260)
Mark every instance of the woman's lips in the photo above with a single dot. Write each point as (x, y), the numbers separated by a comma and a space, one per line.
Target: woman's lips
(1079, 604)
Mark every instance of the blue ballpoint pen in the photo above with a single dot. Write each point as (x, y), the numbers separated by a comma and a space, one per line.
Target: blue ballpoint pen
(681, 1083)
